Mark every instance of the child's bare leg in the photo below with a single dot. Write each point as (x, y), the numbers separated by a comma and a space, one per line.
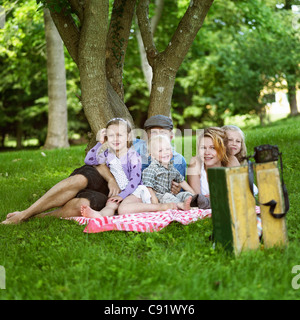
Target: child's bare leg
(186, 205)
(108, 211)
(129, 205)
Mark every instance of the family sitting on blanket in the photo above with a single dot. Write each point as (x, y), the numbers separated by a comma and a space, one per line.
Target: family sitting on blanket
(148, 191)
(93, 187)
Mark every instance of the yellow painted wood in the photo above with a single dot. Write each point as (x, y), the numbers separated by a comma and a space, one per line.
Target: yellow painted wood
(236, 204)
(269, 187)
(242, 208)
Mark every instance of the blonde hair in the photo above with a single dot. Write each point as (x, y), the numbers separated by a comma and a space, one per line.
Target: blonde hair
(159, 137)
(243, 152)
(218, 136)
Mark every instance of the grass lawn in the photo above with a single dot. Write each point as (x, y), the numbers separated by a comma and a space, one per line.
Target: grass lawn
(53, 259)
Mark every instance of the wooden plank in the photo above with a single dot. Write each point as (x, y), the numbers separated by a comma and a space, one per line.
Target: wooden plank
(269, 186)
(221, 218)
(233, 209)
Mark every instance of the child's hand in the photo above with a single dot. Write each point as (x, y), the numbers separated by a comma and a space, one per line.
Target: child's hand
(101, 136)
(115, 199)
(175, 187)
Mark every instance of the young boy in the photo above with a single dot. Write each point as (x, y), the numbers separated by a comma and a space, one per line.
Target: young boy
(161, 172)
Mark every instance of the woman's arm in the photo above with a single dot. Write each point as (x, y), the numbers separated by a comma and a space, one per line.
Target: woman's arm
(193, 175)
(185, 186)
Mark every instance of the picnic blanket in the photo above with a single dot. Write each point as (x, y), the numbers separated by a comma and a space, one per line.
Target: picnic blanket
(142, 222)
(148, 221)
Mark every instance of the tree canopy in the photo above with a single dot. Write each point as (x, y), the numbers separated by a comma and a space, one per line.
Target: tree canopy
(230, 61)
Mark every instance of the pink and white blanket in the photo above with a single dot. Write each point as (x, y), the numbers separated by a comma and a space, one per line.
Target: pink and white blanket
(147, 221)
(142, 222)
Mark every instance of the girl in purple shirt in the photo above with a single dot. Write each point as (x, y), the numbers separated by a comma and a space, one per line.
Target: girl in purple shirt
(116, 151)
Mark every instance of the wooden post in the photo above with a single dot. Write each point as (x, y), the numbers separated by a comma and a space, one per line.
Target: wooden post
(233, 209)
(269, 187)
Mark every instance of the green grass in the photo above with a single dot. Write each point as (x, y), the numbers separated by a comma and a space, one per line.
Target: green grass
(53, 259)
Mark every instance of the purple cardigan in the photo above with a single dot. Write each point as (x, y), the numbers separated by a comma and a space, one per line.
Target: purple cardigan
(131, 164)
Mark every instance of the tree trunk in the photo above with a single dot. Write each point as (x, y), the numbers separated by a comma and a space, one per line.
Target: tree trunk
(87, 47)
(19, 134)
(262, 115)
(57, 134)
(292, 97)
(86, 40)
(166, 64)
(91, 64)
(117, 41)
(162, 88)
(292, 92)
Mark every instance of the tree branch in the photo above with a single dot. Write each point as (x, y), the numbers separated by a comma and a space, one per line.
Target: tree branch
(142, 13)
(117, 41)
(186, 31)
(77, 7)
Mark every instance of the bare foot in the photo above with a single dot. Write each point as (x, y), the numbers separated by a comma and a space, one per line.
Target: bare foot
(108, 210)
(12, 214)
(14, 218)
(88, 212)
(186, 205)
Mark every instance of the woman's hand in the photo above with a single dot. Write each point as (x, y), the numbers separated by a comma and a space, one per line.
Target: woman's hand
(113, 187)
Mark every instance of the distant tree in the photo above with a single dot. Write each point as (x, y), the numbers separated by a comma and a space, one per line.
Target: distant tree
(57, 132)
(22, 75)
(292, 47)
(147, 70)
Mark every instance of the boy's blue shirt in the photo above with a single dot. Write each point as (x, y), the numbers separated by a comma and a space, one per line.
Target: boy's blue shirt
(140, 147)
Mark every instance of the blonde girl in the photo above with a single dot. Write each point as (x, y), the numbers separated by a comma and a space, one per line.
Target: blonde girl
(235, 140)
(115, 150)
